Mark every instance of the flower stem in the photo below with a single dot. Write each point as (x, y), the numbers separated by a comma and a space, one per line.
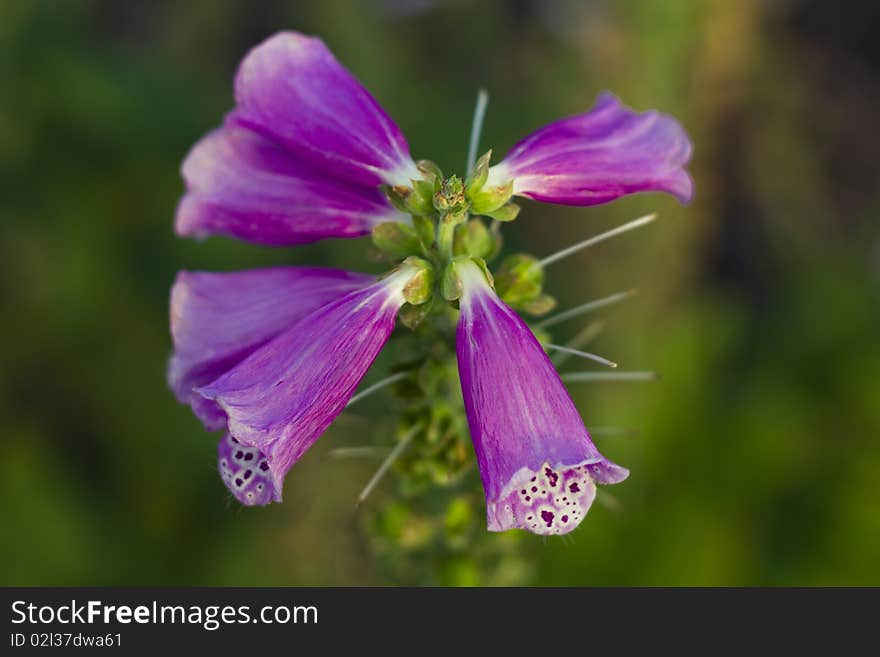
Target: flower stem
(476, 128)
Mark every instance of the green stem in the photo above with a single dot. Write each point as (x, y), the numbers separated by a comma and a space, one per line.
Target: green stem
(446, 233)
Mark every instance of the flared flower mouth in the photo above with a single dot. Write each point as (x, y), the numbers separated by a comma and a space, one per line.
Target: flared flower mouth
(551, 499)
(246, 472)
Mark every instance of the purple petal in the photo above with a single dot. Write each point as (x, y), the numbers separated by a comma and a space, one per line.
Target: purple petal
(218, 320)
(291, 89)
(282, 397)
(599, 156)
(242, 185)
(537, 462)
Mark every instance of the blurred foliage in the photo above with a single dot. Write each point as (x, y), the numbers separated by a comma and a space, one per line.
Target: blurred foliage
(757, 459)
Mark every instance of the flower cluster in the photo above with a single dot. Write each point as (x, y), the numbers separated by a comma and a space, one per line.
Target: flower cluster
(273, 356)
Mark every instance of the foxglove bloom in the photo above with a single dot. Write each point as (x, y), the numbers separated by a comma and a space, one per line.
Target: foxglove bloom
(283, 396)
(273, 356)
(537, 462)
(218, 320)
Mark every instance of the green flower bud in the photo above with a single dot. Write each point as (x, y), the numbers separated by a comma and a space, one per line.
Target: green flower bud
(540, 305)
(420, 287)
(489, 199)
(396, 240)
(520, 279)
(450, 197)
(474, 239)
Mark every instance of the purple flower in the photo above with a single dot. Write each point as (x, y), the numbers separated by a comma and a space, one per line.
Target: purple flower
(537, 462)
(301, 156)
(218, 320)
(280, 399)
(599, 156)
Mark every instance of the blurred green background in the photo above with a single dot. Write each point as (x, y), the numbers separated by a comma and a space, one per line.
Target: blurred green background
(756, 458)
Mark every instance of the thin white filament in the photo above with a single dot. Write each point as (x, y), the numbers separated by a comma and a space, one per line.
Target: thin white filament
(366, 392)
(580, 246)
(389, 460)
(580, 340)
(356, 452)
(582, 354)
(585, 308)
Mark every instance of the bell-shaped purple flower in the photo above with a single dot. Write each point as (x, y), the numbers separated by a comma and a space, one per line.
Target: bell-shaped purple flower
(537, 462)
(218, 320)
(301, 156)
(598, 156)
(283, 396)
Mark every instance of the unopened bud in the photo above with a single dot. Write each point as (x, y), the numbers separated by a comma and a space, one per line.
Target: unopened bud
(396, 240)
(520, 279)
(420, 287)
(474, 239)
(450, 197)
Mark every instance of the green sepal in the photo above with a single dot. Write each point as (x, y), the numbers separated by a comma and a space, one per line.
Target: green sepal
(489, 199)
(395, 195)
(540, 305)
(520, 279)
(450, 283)
(479, 174)
(411, 316)
(431, 172)
(507, 212)
(481, 263)
(396, 240)
(420, 286)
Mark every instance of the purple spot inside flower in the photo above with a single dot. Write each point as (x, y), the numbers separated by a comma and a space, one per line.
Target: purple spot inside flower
(250, 486)
(552, 477)
(574, 488)
(547, 516)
